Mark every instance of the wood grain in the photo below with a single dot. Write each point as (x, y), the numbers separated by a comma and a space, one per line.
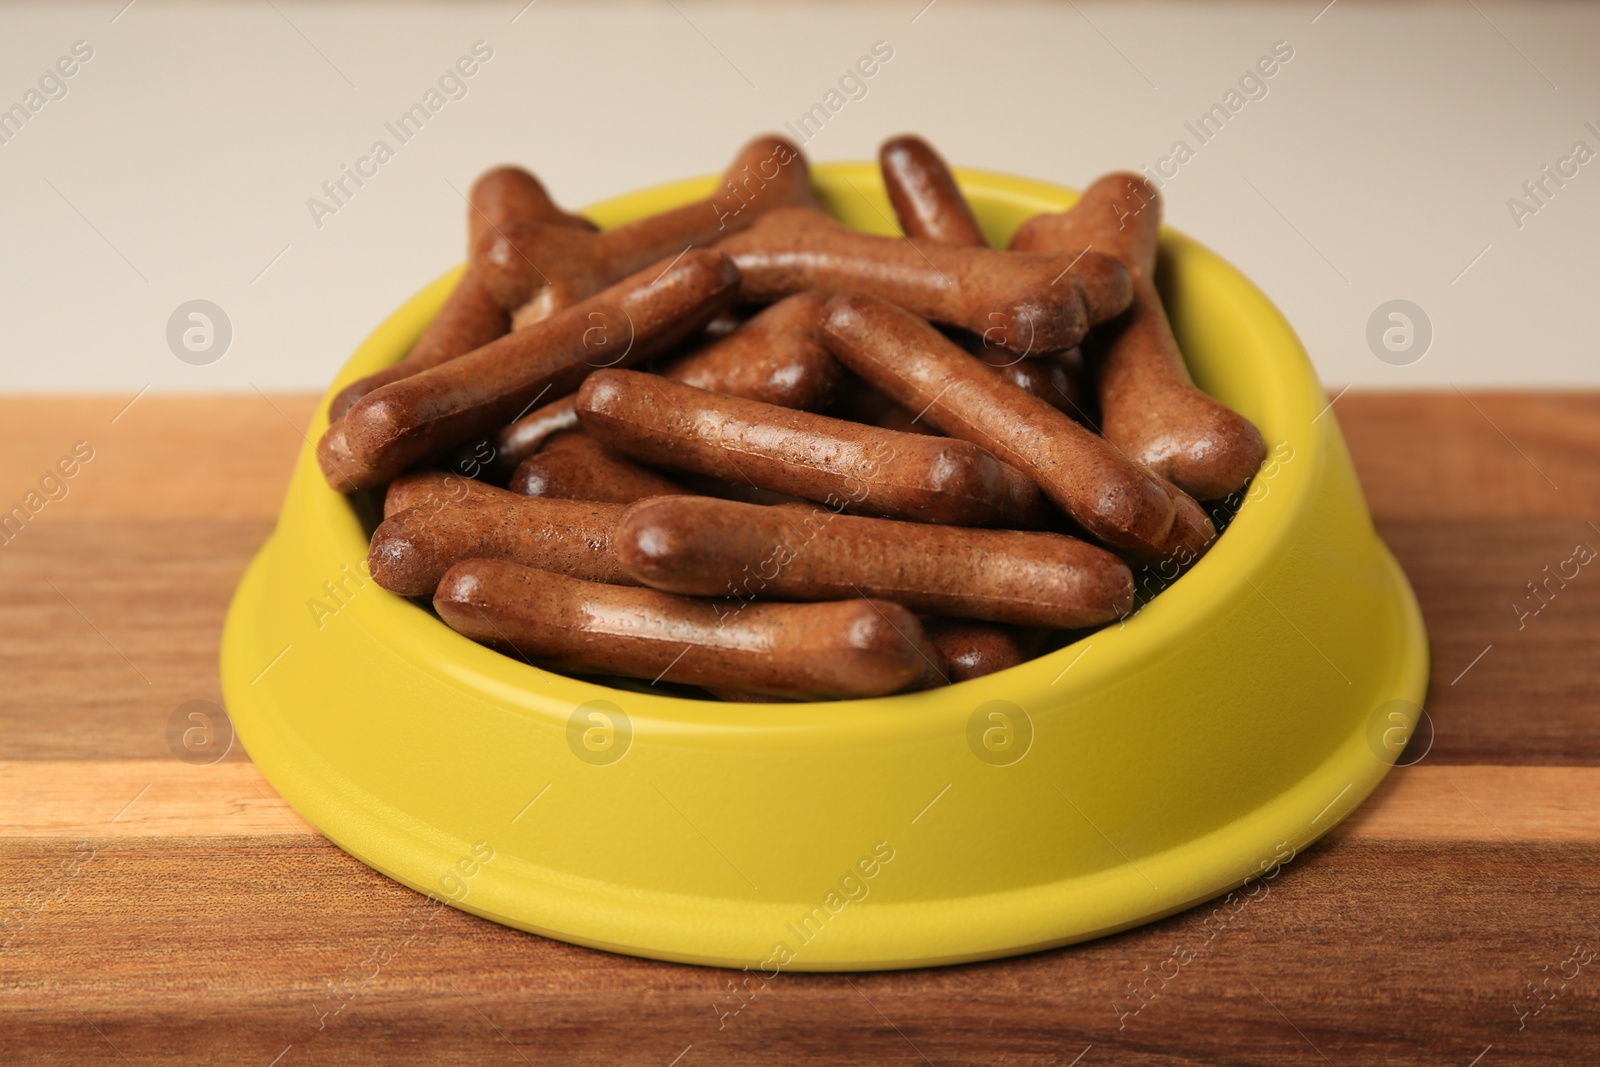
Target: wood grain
(106, 799)
(154, 912)
(1468, 455)
(235, 949)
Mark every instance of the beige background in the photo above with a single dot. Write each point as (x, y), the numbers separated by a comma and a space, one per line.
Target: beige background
(1377, 166)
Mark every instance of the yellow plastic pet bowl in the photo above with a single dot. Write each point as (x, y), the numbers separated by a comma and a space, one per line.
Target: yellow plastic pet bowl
(1145, 768)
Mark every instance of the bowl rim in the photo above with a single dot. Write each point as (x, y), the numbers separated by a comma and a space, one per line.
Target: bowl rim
(1293, 400)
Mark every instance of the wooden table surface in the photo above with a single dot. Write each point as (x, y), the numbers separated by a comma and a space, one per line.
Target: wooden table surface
(155, 912)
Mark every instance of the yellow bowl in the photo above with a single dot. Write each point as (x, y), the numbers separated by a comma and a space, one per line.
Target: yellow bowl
(1141, 770)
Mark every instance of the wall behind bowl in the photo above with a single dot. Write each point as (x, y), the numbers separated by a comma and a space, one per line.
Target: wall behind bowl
(179, 161)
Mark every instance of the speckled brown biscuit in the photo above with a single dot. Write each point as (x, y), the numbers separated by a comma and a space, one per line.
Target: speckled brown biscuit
(863, 402)
(1115, 499)
(1149, 406)
(470, 317)
(927, 202)
(1033, 303)
(874, 471)
(743, 492)
(851, 648)
(516, 442)
(1050, 378)
(475, 395)
(973, 649)
(432, 490)
(777, 357)
(510, 194)
(412, 549)
(697, 545)
(575, 466)
(553, 268)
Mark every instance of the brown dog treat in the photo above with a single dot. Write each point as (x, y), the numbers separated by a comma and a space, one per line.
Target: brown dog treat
(412, 549)
(575, 466)
(1046, 378)
(432, 490)
(891, 416)
(1152, 410)
(934, 673)
(474, 395)
(555, 268)
(471, 317)
(697, 545)
(1192, 532)
(574, 440)
(1149, 406)
(510, 194)
(851, 648)
(927, 202)
(1114, 499)
(723, 325)
(973, 649)
(1031, 303)
(744, 696)
(880, 472)
(521, 439)
(1080, 398)
(743, 492)
(531, 311)
(866, 403)
(777, 357)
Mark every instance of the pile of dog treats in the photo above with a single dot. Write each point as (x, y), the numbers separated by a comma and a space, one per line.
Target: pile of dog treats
(744, 447)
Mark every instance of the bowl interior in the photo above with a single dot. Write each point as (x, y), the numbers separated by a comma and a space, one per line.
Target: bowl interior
(1238, 349)
(1161, 760)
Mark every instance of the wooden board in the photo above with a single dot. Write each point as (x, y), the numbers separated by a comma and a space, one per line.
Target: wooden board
(153, 912)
